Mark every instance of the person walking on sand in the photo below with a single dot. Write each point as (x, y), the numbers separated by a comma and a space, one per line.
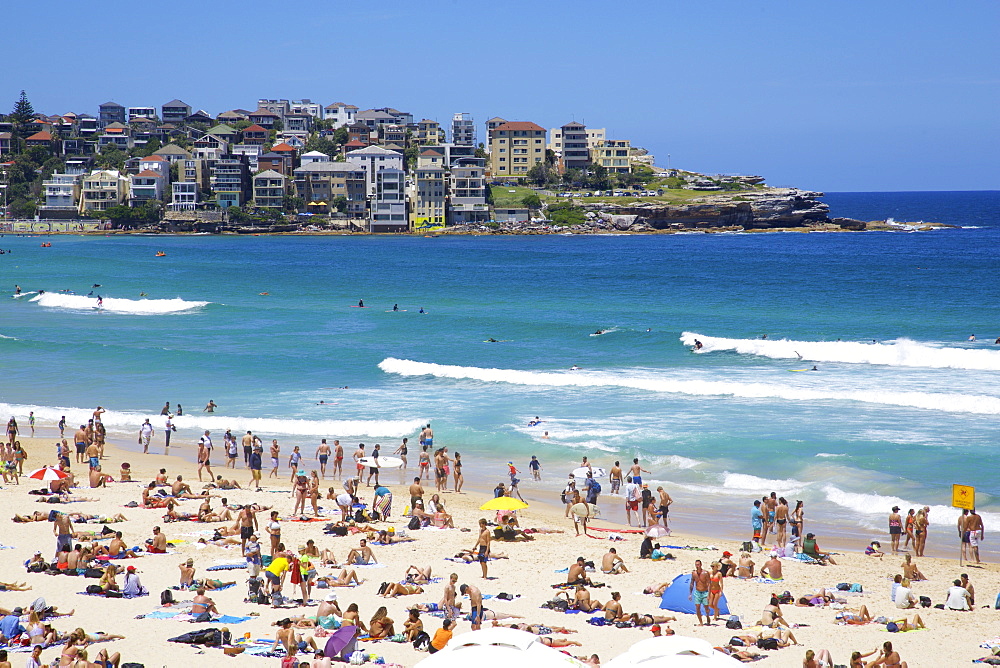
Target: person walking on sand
(698, 591)
(275, 453)
(255, 467)
(323, 455)
(714, 589)
(247, 442)
(963, 533)
(293, 462)
(81, 440)
(475, 604)
(338, 459)
(205, 455)
(145, 433)
(424, 462)
(482, 547)
(615, 477)
(895, 528)
(665, 502)
(168, 427)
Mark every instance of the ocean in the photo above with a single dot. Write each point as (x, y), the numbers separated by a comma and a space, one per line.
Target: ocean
(902, 404)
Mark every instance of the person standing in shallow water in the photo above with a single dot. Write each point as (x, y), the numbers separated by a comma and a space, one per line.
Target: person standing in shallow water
(895, 528)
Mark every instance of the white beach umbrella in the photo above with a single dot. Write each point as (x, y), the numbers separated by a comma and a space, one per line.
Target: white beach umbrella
(498, 648)
(657, 531)
(672, 652)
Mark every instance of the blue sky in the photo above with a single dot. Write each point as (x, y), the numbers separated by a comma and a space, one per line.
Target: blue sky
(829, 96)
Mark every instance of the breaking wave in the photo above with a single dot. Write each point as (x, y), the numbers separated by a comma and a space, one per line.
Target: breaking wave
(940, 401)
(899, 352)
(116, 305)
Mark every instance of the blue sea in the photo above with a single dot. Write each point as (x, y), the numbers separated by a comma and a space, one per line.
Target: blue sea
(902, 405)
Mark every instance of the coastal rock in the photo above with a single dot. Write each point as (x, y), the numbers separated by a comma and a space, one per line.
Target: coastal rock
(849, 224)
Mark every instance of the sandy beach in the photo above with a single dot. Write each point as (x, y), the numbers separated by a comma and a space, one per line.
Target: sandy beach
(951, 637)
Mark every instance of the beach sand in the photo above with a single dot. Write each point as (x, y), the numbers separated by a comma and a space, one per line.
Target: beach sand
(952, 637)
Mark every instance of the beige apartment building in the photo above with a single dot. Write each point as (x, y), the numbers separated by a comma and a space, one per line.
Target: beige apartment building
(516, 147)
(613, 155)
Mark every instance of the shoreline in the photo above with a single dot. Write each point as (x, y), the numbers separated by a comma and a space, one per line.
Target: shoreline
(953, 637)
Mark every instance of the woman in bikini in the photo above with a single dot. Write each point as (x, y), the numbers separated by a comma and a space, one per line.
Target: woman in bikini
(745, 569)
(459, 478)
(381, 625)
(856, 657)
(772, 614)
(910, 570)
(781, 518)
(920, 532)
(908, 528)
(797, 518)
(858, 618)
(714, 589)
(314, 492)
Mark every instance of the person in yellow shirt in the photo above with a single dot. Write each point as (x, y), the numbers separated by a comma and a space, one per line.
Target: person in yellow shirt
(275, 573)
(441, 637)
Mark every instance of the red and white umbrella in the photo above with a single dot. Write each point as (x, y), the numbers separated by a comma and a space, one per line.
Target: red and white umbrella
(47, 473)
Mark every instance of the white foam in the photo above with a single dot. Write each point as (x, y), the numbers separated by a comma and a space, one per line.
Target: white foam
(9, 338)
(662, 382)
(879, 504)
(683, 462)
(829, 454)
(899, 352)
(746, 482)
(129, 421)
(116, 304)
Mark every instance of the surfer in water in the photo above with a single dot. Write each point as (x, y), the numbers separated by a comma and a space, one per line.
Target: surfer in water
(17, 289)
(698, 345)
(814, 368)
(576, 368)
(395, 307)
(100, 301)
(972, 337)
(361, 303)
(491, 340)
(598, 332)
(421, 310)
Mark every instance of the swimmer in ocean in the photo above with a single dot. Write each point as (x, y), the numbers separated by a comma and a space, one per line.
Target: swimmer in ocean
(576, 368)
(142, 294)
(997, 342)
(491, 340)
(972, 337)
(421, 310)
(814, 368)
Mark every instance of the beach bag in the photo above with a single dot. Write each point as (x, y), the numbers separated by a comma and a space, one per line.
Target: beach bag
(736, 641)
(38, 567)
(422, 641)
(925, 601)
(414, 524)
(166, 597)
(734, 622)
(747, 546)
(595, 488)
(375, 516)
(767, 643)
(203, 617)
(843, 586)
(111, 593)
(93, 573)
(855, 588)
(892, 627)
(133, 665)
(94, 589)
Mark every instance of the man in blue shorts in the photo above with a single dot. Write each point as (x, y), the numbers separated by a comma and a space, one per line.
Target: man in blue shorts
(698, 591)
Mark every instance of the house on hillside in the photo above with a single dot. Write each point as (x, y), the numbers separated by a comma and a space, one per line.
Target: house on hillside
(175, 111)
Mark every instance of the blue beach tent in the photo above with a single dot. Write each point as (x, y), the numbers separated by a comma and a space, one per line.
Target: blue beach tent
(675, 598)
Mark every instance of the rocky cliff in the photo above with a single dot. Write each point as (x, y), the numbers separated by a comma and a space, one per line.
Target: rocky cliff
(787, 208)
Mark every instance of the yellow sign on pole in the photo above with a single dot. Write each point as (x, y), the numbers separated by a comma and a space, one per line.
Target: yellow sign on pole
(963, 496)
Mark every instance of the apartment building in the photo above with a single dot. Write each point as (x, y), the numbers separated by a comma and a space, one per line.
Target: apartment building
(463, 129)
(320, 183)
(517, 146)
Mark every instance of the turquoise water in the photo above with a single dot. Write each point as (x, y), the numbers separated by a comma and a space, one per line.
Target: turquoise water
(894, 421)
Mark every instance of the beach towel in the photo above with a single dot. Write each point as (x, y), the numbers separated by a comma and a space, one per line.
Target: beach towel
(102, 595)
(383, 505)
(227, 567)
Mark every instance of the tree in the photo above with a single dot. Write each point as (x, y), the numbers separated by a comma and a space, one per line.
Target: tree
(340, 135)
(410, 156)
(598, 178)
(340, 203)
(322, 144)
(23, 111)
(481, 151)
(292, 203)
(532, 201)
(489, 194)
(111, 157)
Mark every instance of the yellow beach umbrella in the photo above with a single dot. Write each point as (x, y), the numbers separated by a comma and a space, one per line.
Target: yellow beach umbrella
(503, 503)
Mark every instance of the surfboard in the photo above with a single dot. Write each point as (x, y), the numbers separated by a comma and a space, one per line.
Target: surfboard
(793, 370)
(399, 310)
(356, 306)
(382, 462)
(582, 472)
